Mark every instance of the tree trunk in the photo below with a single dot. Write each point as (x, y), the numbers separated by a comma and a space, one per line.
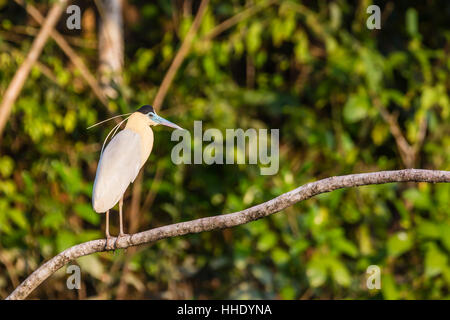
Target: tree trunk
(110, 46)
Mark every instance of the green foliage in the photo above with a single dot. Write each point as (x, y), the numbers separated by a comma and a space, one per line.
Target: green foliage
(313, 71)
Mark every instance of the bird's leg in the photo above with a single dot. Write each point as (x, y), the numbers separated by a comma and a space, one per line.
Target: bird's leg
(108, 236)
(121, 233)
(120, 217)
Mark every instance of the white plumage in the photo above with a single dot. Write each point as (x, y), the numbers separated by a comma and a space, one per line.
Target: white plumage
(122, 159)
(119, 165)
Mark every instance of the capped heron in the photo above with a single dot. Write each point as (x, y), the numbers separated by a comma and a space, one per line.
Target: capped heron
(122, 159)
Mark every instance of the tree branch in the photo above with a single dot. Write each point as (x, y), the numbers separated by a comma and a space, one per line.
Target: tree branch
(406, 151)
(226, 220)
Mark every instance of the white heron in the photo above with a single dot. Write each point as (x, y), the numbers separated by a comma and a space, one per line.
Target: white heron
(122, 159)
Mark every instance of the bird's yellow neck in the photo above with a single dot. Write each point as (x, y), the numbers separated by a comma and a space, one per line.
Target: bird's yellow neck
(140, 124)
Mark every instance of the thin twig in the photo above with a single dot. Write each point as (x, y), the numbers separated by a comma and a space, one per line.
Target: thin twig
(407, 152)
(74, 40)
(10, 269)
(237, 18)
(16, 84)
(225, 220)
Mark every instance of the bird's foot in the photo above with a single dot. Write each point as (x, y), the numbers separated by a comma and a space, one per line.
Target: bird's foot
(107, 245)
(121, 235)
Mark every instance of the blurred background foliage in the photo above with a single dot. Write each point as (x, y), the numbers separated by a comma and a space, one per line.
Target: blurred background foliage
(334, 88)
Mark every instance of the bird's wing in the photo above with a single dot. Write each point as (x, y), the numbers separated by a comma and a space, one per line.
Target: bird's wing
(118, 167)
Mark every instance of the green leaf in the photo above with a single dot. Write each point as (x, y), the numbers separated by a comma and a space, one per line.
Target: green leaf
(88, 235)
(435, 261)
(254, 37)
(339, 272)
(380, 133)
(287, 293)
(86, 212)
(445, 235)
(389, 287)
(28, 181)
(64, 240)
(144, 59)
(427, 229)
(280, 256)
(399, 243)
(267, 241)
(365, 243)
(316, 271)
(412, 22)
(18, 217)
(421, 200)
(298, 247)
(70, 177)
(53, 219)
(92, 265)
(301, 49)
(356, 108)
(345, 246)
(6, 166)
(429, 97)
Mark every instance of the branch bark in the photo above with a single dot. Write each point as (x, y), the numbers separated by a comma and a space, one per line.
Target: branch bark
(226, 220)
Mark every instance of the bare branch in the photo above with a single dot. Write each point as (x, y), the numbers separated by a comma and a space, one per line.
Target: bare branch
(226, 220)
(407, 152)
(16, 84)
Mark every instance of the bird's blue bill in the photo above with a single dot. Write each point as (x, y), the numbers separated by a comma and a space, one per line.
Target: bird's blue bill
(165, 122)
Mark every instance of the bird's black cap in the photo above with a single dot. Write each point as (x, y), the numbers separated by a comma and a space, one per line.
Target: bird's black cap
(145, 109)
